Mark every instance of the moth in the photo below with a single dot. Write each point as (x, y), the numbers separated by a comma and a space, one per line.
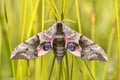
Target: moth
(59, 38)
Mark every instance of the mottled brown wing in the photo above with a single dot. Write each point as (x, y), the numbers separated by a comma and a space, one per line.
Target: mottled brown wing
(85, 48)
(91, 50)
(73, 37)
(33, 47)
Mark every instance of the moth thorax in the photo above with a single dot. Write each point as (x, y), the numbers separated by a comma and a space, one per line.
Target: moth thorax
(59, 28)
(59, 36)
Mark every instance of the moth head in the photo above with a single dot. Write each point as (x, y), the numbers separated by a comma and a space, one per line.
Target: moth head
(59, 27)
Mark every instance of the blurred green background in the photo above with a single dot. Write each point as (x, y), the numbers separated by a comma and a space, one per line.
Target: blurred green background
(96, 19)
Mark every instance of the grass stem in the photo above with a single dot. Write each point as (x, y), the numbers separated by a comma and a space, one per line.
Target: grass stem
(118, 32)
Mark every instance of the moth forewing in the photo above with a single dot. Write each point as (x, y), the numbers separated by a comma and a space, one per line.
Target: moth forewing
(69, 33)
(30, 48)
(27, 49)
(87, 48)
(91, 50)
(49, 32)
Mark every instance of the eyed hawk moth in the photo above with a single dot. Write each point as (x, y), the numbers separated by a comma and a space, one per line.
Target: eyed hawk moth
(59, 38)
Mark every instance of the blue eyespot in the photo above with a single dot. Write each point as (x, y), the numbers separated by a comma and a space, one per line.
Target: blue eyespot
(47, 46)
(71, 46)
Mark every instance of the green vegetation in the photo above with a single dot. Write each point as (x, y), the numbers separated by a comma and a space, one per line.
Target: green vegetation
(96, 19)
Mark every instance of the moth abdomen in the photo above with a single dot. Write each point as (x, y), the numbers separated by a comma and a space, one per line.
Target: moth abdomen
(59, 54)
(59, 47)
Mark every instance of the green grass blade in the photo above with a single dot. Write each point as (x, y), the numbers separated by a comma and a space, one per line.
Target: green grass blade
(37, 68)
(60, 71)
(51, 70)
(52, 9)
(20, 62)
(0, 46)
(70, 6)
(5, 29)
(1, 37)
(43, 4)
(32, 18)
(64, 5)
(80, 30)
(89, 70)
(56, 10)
(93, 34)
(42, 59)
(24, 21)
(80, 70)
(118, 32)
(67, 66)
(63, 71)
(115, 74)
(78, 16)
(28, 70)
(72, 69)
(109, 48)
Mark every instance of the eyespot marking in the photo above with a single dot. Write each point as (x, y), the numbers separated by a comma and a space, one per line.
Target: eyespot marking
(71, 46)
(47, 46)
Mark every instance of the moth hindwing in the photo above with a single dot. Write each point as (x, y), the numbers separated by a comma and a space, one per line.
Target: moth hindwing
(59, 38)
